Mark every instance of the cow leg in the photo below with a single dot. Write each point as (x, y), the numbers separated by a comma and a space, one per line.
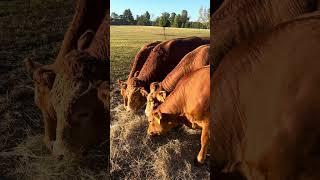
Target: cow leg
(204, 142)
(49, 131)
(58, 146)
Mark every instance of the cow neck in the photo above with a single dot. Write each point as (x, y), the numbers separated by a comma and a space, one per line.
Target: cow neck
(186, 65)
(173, 104)
(88, 15)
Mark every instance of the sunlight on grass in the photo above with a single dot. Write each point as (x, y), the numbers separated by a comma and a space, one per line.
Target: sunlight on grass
(126, 41)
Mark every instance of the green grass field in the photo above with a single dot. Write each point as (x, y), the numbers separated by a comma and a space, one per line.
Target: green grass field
(125, 42)
(134, 155)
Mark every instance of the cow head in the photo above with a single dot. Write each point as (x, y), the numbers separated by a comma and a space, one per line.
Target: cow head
(154, 98)
(67, 91)
(136, 94)
(160, 123)
(43, 78)
(123, 88)
(68, 97)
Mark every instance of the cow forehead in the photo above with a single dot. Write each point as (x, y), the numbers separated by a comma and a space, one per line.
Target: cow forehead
(133, 83)
(66, 91)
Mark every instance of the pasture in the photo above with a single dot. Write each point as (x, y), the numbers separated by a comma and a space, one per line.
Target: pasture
(133, 154)
(33, 29)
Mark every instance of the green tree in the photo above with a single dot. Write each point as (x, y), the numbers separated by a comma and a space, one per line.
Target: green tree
(172, 17)
(147, 15)
(184, 16)
(208, 18)
(177, 21)
(115, 18)
(146, 18)
(139, 20)
(156, 22)
(164, 21)
(187, 25)
(114, 15)
(127, 17)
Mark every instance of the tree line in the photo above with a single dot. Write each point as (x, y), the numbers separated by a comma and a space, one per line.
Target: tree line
(166, 19)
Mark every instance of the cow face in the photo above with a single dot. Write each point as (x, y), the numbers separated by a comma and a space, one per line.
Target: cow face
(136, 94)
(160, 123)
(154, 98)
(123, 88)
(72, 96)
(80, 113)
(43, 78)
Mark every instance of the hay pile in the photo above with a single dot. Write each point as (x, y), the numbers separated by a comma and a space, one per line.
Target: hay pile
(135, 155)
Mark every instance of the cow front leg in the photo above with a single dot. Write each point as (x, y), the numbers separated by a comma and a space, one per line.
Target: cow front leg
(50, 125)
(204, 143)
(59, 148)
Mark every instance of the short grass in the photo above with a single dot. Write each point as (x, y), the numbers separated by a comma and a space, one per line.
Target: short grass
(125, 42)
(33, 28)
(134, 155)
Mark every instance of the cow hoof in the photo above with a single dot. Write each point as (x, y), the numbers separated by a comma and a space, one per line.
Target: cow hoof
(197, 163)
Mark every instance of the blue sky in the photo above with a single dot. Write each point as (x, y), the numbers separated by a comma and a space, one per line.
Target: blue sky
(156, 7)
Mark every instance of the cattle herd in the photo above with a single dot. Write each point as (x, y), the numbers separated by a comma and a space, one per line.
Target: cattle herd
(173, 80)
(252, 87)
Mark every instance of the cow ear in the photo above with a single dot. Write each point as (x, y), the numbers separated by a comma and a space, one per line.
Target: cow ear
(103, 89)
(85, 40)
(31, 66)
(161, 96)
(136, 74)
(144, 92)
(154, 86)
(122, 84)
(158, 116)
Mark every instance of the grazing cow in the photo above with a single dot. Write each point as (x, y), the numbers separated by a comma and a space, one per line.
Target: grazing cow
(192, 61)
(66, 91)
(136, 66)
(187, 104)
(236, 21)
(265, 105)
(163, 58)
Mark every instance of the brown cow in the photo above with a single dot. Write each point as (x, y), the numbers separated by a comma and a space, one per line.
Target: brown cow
(65, 91)
(187, 104)
(136, 66)
(192, 61)
(239, 20)
(163, 58)
(265, 105)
